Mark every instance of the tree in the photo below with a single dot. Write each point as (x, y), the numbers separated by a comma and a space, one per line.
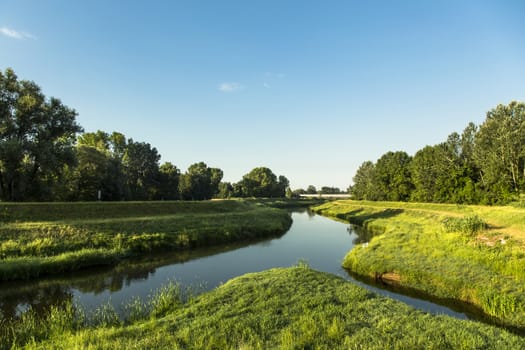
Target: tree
(283, 185)
(262, 182)
(364, 187)
(311, 190)
(226, 190)
(499, 152)
(36, 139)
(141, 165)
(330, 190)
(393, 176)
(200, 182)
(169, 177)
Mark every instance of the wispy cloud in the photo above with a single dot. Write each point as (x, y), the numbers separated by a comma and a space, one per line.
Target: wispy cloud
(14, 34)
(230, 87)
(270, 78)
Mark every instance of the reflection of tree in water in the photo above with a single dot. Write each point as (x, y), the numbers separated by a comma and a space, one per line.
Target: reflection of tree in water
(37, 297)
(42, 294)
(363, 235)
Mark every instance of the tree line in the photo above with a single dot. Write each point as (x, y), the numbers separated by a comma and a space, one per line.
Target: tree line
(485, 164)
(45, 155)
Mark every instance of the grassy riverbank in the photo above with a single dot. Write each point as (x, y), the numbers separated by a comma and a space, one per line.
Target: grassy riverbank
(471, 253)
(46, 238)
(292, 308)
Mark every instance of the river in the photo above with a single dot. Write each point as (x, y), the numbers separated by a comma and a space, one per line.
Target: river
(317, 240)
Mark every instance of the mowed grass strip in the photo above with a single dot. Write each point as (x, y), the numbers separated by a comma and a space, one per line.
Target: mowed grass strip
(46, 238)
(285, 308)
(474, 254)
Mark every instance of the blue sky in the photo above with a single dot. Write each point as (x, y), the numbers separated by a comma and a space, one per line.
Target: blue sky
(310, 89)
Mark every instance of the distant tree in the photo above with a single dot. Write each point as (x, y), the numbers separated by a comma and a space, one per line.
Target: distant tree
(311, 190)
(169, 177)
(330, 190)
(200, 182)
(262, 182)
(298, 192)
(392, 173)
(283, 185)
(226, 190)
(141, 165)
(36, 139)
(364, 187)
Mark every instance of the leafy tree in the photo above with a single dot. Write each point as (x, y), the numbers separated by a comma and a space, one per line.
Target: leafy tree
(169, 177)
(283, 185)
(36, 139)
(364, 186)
(226, 190)
(393, 176)
(200, 182)
(311, 190)
(298, 192)
(99, 168)
(141, 165)
(330, 190)
(499, 151)
(262, 182)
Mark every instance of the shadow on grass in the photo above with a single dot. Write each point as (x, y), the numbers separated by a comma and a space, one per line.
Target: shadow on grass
(357, 217)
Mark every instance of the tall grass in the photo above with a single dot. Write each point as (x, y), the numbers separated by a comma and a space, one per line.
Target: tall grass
(293, 308)
(474, 254)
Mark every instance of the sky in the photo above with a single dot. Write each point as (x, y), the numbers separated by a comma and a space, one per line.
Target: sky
(310, 89)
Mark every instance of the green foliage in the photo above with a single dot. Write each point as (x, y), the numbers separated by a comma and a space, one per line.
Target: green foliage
(36, 139)
(279, 309)
(484, 165)
(500, 150)
(200, 182)
(141, 163)
(261, 182)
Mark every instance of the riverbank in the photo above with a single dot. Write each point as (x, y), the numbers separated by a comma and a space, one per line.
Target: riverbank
(47, 238)
(285, 308)
(475, 254)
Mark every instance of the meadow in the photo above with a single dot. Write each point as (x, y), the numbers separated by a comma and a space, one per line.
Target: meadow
(284, 308)
(47, 238)
(475, 254)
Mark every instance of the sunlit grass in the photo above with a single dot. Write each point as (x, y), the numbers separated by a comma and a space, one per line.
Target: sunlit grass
(37, 239)
(292, 308)
(471, 253)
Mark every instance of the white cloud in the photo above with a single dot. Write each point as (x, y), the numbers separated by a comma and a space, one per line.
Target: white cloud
(11, 33)
(230, 87)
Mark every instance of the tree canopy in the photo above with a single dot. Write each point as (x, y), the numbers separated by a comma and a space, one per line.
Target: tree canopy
(44, 155)
(484, 164)
(262, 182)
(37, 137)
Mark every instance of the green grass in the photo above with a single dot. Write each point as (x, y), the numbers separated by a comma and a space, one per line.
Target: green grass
(474, 254)
(46, 238)
(292, 308)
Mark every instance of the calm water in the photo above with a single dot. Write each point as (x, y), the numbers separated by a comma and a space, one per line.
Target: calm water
(320, 241)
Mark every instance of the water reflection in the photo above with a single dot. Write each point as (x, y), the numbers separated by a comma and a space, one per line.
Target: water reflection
(41, 294)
